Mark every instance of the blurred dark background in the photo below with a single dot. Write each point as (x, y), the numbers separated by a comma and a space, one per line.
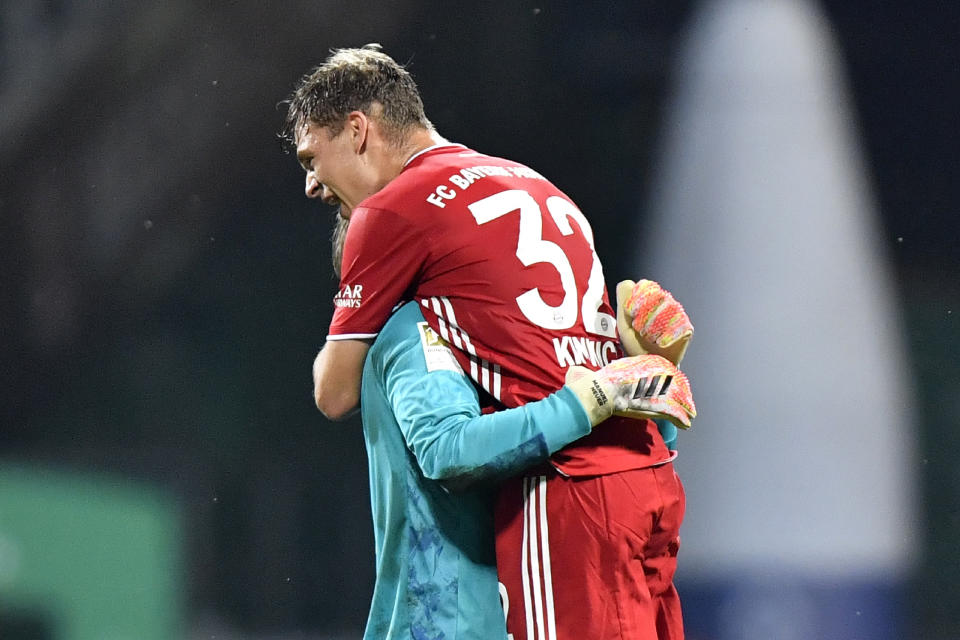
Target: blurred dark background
(166, 285)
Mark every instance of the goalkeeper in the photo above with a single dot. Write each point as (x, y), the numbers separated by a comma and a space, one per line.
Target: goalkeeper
(426, 439)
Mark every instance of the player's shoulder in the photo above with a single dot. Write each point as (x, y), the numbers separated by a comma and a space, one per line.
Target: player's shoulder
(438, 179)
(458, 157)
(432, 169)
(400, 327)
(405, 315)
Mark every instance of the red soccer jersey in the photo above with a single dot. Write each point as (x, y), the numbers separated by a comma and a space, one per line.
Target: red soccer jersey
(504, 267)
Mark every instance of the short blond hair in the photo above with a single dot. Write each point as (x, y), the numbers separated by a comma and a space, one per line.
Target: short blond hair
(356, 80)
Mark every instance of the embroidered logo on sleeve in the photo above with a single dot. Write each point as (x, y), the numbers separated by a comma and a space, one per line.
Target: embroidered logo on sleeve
(436, 352)
(349, 296)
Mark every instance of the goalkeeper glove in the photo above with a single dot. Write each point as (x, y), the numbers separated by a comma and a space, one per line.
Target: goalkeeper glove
(649, 320)
(646, 386)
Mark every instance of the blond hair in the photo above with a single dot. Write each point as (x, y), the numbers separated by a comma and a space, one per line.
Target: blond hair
(364, 79)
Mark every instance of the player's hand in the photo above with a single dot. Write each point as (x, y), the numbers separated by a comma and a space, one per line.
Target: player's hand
(649, 320)
(645, 386)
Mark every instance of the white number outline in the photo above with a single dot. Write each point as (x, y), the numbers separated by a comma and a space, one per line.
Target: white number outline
(594, 321)
(533, 249)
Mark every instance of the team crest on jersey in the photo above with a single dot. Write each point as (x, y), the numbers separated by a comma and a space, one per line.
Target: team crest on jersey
(436, 352)
(350, 295)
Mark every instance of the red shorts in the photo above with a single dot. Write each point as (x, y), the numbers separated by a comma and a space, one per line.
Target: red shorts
(591, 558)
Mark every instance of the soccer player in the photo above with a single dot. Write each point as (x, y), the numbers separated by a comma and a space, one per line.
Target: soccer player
(504, 268)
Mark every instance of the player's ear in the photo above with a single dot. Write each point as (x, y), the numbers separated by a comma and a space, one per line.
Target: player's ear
(358, 127)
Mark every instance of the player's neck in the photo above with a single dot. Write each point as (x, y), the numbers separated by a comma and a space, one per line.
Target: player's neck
(422, 139)
(388, 162)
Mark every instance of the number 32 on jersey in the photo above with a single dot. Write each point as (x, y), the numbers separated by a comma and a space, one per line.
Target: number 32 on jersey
(533, 249)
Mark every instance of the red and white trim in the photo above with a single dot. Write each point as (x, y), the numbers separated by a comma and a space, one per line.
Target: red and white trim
(429, 149)
(536, 570)
(351, 336)
(483, 372)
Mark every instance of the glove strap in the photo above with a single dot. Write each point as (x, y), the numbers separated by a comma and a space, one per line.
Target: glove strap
(596, 400)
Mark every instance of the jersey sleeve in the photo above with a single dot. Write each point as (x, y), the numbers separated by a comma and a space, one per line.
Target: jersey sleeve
(669, 433)
(382, 257)
(439, 415)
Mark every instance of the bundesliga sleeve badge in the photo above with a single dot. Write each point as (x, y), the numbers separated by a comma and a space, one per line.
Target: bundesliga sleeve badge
(436, 352)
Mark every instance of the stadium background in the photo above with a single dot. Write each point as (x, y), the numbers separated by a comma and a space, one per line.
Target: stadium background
(165, 285)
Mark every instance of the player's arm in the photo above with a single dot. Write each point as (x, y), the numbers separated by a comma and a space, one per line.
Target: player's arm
(438, 410)
(377, 271)
(336, 377)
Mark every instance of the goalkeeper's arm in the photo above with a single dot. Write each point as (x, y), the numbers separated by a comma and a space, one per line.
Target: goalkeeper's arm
(439, 415)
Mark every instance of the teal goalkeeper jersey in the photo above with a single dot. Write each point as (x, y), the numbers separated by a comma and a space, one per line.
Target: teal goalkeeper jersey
(433, 460)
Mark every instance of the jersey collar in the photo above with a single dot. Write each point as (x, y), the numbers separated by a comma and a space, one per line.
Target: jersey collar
(428, 149)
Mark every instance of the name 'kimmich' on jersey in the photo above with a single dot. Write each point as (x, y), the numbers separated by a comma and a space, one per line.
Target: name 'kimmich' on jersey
(349, 296)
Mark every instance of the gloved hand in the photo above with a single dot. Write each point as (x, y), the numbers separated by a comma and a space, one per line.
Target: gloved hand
(646, 386)
(649, 320)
